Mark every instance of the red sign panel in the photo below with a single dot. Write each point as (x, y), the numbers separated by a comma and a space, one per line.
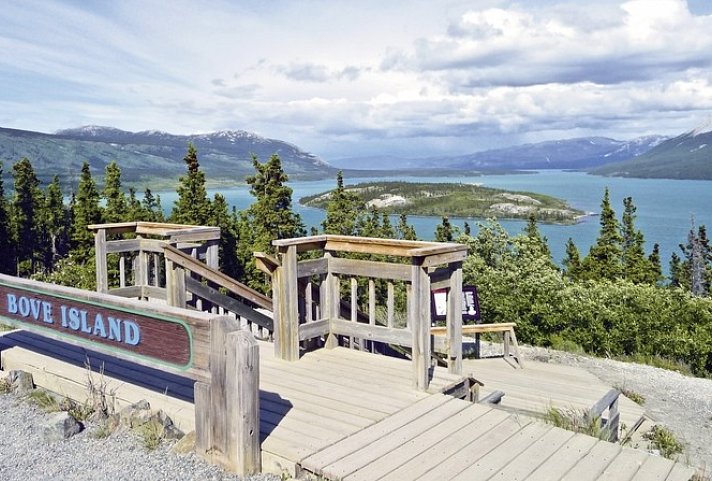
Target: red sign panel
(121, 329)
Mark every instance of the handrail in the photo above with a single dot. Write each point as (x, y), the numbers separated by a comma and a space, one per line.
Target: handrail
(212, 275)
(608, 402)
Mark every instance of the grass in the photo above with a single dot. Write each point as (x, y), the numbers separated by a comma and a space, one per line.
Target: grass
(657, 361)
(44, 400)
(5, 327)
(5, 386)
(576, 420)
(632, 395)
(151, 434)
(662, 439)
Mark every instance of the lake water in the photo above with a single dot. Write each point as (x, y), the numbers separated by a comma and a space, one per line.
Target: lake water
(664, 206)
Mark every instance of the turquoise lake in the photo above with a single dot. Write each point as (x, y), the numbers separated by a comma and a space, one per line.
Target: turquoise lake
(665, 207)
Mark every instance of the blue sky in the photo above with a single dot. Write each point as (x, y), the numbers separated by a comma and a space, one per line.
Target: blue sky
(356, 78)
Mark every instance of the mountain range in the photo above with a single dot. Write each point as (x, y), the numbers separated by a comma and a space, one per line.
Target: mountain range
(155, 158)
(687, 156)
(579, 153)
(146, 156)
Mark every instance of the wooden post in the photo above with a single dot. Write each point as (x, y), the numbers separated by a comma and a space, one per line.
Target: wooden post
(420, 323)
(227, 410)
(333, 301)
(175, 285)
(243, 403)
(211, 254)
(454, 320)
(102, 272)
(286, 312)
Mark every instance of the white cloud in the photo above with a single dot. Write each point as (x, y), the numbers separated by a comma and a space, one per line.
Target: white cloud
(334, 77)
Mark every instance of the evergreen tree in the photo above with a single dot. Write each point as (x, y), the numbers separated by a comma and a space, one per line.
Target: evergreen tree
(115, 207)
(371, 224)
(26, 221)
(342, 210)
(676, 271)
(636, 267)
(572, 261)
(387, 231)
(85, 211)
(538, 242)
(405, 230)
(151, 205)
(192, 206)
(468, 229)
(270, 217)
(444, 232)
(134, 208)
(228, 224)
(6, 245)
(604, 258)
(656, 270)
(57, 222)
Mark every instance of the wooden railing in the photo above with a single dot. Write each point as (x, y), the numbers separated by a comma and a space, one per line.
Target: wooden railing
(609, 402)
(310, 302)
(191, 283)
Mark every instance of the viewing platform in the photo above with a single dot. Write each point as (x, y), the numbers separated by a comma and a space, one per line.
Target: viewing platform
(315, 393)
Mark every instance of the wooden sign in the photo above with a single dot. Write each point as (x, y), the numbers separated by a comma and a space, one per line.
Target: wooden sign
(117, 329)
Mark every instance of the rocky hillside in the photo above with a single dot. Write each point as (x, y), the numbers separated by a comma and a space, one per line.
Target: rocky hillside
(151, 156)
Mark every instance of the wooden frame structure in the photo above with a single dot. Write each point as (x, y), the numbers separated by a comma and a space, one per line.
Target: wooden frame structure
(145, 249)
(308, 299)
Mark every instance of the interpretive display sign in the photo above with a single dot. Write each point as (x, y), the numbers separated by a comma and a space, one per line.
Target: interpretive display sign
(120, 329)
(470, 304)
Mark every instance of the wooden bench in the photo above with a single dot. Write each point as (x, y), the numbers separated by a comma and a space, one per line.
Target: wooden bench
(509, 338)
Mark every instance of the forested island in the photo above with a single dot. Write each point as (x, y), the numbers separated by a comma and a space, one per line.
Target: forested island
(454, 199)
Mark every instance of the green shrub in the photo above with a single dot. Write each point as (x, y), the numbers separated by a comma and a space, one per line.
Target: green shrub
(664, 440)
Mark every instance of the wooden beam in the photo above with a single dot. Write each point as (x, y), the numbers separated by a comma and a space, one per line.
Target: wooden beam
(286, 312)
(102, 273)
(402, 337)
(454, 321)
(419, 314)
(373, 269)
(184, 260)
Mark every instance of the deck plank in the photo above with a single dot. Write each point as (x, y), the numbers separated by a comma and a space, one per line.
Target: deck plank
(595, 462)
(417, 446)
(383, 446)
(487, 466)
(356, 441)
(561, 461)
(535, 455)
(626, 465)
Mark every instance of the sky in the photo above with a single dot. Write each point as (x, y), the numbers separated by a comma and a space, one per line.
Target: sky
(340, 79)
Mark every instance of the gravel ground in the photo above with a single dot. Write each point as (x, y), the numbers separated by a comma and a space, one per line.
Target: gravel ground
(26, 456)
(683, 404)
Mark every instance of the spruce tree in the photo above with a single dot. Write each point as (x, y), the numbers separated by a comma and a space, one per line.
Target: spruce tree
(342, 210)
(192, 206)
(604, 258)
(636, 267)
(228, 224)
(405, 231)
(134, 208)
(655, 274)
(270, 217)
(28, 231)
(151, 205)
(6, 245)
(115, 207)
(572, 261)
(676, 271)
(85, 211)
(538, 242)
(444, 232)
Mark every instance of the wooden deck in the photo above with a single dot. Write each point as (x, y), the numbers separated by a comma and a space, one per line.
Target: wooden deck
(540, 386)
(442, 438)
(346, 414)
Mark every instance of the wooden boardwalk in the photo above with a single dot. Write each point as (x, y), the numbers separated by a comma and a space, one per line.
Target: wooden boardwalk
(442, 438)
(346, 414)
(540, 386)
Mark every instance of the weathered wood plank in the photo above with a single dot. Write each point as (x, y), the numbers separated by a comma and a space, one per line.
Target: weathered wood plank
(407, 451)
(504, 453)
(626, 465)
(475, 451)
(243, 403)
(100, 252)
(592, 465)
(356, 441)
(481, 428)
(371, 332)
(313, 329)
(454, 321)
(312, 267)
(370, 269)
(419, 314)
(366, 454)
